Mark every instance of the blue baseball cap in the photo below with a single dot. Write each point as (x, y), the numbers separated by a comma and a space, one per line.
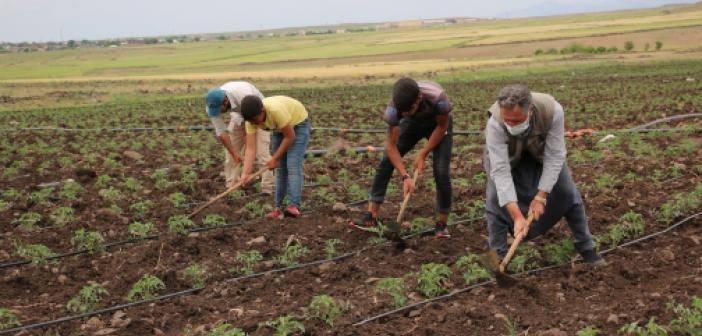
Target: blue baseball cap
(214, 100)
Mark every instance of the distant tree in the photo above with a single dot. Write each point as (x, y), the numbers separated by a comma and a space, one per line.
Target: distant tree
(71, 44)
(647, 46)
(196, 39)
(538, 52)
(659, 45)
(222, 37)
(150, 40)
(629, 45)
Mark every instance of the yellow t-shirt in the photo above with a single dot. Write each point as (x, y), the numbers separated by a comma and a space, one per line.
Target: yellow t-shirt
(280, 112)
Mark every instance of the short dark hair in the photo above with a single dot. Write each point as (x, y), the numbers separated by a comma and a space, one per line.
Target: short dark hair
(405, 93)
(515, 95)
(251, 106)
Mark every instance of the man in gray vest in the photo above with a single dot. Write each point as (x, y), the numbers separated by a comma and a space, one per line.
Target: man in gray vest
(527, 172)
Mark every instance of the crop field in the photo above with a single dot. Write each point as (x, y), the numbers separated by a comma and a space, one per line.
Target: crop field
(94, 226)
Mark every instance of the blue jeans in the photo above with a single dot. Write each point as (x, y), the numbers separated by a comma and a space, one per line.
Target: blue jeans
(289, 177)
(411, 131)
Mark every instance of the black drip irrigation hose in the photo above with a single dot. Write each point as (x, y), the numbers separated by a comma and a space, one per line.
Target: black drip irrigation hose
(192, 291)
(98, 312)
(668, 119)
(121, 243)
(542, 269)
(151, 237)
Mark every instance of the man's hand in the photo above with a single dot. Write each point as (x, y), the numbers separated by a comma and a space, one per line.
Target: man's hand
(521, 226)
(536, 209)
(407, 186)
(245, 179)
(236, 160)
(272, 164)
(419, 163)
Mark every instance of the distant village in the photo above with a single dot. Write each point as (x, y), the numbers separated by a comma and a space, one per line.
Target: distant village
(7, 47)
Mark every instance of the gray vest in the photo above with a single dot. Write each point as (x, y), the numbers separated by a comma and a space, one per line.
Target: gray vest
(542, 108)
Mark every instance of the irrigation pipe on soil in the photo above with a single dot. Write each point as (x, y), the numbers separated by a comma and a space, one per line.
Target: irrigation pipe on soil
(542, 269)
(195, 290)
(136, 240)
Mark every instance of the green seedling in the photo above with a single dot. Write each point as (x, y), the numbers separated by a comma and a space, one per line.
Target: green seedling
(41, 196)
(28, 221)
(140, 230)
(8, 319)
(291, 255)
(395, 287)
(688, 320)
(560, 253)
(432, 278)
(196, 275)
(110, 194)
(92, 241)
(146, 288)
(37, 253)
(330, 247)
(103, 181)
(248, 260)
(71, 190)
(62, 215)
(589, 331)
(525, 259)
(133, 184)
(324, 308)
(213, 220)
(87, 300)
(474, 272)
(226, 329)
(139, 209)
(189, 179)
(179, 224)
(650, 329)
(284, 326)
(178, 200)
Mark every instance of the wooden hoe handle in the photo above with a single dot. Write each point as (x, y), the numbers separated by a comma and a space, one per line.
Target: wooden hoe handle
(226, 192)
(515, 244)
(406, 200)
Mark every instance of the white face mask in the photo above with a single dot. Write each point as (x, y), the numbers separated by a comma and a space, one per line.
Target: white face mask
(518, 129)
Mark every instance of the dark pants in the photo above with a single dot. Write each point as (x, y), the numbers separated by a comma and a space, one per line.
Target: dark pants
(411, 131)
(563, 201)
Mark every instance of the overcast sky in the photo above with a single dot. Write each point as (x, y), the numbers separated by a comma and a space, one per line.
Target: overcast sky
(54, 20)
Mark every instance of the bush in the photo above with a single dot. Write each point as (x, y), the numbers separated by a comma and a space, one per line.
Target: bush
(628, 45)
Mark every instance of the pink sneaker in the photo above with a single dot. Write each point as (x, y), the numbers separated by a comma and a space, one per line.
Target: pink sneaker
(275, 214)
(292, 211)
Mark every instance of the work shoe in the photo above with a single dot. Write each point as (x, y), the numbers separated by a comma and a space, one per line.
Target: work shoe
(292, 211)
(441, 230)
(593, 258)
(365, 223)
(275, 214)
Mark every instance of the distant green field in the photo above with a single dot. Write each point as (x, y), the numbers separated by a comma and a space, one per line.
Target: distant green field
(460, 45)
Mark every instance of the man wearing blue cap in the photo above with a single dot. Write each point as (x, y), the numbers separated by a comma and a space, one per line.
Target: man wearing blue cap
(228, 98)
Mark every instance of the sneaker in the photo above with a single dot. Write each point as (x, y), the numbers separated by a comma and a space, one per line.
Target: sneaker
(292, 211)
(593, 258)
(365, 223)
(441, 230)
(275, 214)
